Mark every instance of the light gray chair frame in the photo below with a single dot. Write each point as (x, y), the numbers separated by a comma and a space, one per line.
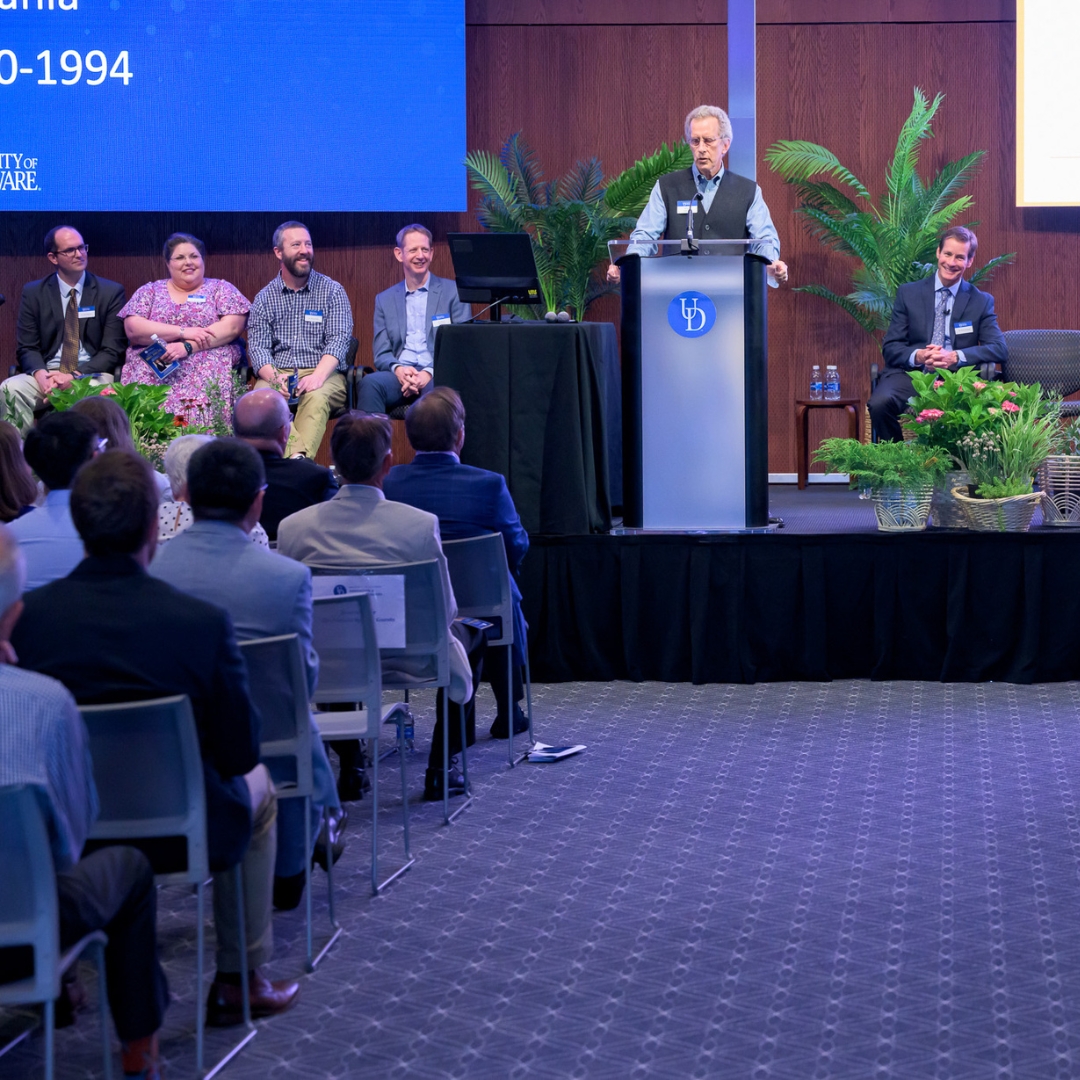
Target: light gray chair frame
(149, 777)
(427, 641)
(277, 681)
(480, 575)
(30, 915)
(343, 629)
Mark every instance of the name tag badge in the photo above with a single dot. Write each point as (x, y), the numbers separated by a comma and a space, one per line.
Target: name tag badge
(312, 316)
(87, 312)
(441, 320)
(962, 328)
(687, 206)
(196, 298)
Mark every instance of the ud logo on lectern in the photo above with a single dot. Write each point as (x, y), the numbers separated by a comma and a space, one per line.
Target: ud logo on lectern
(691, 314)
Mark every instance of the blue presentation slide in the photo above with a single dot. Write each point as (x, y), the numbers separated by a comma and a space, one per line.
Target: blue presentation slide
(277, 105)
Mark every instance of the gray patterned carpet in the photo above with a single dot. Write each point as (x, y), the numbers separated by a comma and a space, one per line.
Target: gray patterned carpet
(812, 881)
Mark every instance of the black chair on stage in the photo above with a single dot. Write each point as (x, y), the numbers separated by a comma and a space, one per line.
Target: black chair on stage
(1048, 357)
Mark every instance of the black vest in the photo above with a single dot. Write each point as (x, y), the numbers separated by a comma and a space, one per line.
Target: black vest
(726, 219)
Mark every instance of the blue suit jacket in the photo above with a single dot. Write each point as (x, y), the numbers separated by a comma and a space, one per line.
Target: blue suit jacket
(912, 325)
(264, 593)
(467, 501)
(391, 324)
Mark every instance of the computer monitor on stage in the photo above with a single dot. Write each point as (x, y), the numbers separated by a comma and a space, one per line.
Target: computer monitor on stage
(495, 268)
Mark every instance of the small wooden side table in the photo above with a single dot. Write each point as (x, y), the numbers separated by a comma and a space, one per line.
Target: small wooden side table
(802, 428)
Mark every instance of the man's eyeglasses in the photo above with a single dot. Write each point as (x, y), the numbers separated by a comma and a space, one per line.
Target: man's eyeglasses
(82, 249)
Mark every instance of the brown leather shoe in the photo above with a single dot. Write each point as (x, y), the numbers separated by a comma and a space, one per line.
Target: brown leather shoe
(141, 1058)
(225, 1007)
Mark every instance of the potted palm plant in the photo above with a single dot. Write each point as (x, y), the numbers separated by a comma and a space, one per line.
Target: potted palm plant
(899, 475)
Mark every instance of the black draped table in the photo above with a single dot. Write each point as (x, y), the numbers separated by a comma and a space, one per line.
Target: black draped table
(543, 407)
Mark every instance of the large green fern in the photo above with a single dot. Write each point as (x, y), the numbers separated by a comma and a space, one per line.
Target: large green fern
(894, 241)
(569, 220)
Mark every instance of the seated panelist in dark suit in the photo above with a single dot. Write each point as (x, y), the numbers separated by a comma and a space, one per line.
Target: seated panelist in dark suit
(110, 633)
(69, 324)
(262, 419)
(941, 322)
(407, 315)
(467, 501)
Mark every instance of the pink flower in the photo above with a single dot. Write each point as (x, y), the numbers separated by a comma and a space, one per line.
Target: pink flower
(979, 385)
(1009, 406)
(108, 391)
(927, 415)
(1012, 393)
(993, 412)
(938, 382)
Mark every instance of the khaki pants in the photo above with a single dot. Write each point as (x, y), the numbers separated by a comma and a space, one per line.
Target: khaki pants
(24, 395)
(312, 413)
(257, 873)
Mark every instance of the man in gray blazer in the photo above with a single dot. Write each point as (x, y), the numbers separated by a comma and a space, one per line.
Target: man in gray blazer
(406, 318)
(265, 595)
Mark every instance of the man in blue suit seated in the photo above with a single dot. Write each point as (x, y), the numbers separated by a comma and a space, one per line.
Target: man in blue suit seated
(406, 318)
(265, 595)
(467, 501)
(937, 323)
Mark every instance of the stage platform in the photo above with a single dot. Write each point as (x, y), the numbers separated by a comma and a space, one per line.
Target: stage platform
(828, 596)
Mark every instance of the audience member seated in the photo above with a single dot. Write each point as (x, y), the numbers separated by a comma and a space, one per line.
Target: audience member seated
(467, 501)
(262, 419)
(69, 324)
(114, 427)
(359, 527)
(407, 316)
(174, 515)
(18, 490)
(56, 448)
(301, 325)
(198, 320)
(110, 632)
(265, 595)
(43, 743)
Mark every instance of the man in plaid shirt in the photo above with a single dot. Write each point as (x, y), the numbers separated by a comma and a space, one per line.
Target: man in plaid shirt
(300, 325)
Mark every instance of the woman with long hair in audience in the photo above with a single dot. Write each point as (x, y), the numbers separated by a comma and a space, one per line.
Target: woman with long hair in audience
(17, 487)
(198, 320)
(114, 428)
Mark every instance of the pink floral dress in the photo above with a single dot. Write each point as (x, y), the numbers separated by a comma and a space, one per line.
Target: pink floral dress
(188, 384)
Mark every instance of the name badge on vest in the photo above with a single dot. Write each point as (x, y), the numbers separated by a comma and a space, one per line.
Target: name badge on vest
(312, 316)
(87, 312)
(962, 328)
(441, 320)
(196, 298)
(686, 206)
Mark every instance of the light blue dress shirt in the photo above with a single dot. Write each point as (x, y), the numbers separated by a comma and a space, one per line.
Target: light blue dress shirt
(653, 221)
(49, 541)
(415, 351)
(954, 289)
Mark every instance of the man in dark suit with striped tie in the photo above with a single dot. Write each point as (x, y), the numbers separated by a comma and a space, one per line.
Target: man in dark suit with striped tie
(937, 323)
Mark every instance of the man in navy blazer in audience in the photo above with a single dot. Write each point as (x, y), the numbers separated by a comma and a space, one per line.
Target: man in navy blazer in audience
(467, 501)
(407, 315)
(265, 595)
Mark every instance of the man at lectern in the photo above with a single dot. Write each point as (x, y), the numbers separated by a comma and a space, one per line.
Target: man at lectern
(720, 204)
(939, 322)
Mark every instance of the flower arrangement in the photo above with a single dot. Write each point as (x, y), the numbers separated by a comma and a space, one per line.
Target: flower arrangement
(905, 466)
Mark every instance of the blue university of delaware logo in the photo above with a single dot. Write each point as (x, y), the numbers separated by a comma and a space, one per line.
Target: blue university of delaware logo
(691, 314)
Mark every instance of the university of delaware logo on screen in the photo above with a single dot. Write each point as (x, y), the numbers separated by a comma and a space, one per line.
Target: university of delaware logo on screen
(691, 314)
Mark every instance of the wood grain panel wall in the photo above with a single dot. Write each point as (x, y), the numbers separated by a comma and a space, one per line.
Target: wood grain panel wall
(580, 78)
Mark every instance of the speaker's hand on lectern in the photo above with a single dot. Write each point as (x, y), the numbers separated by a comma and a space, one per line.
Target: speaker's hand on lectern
(778, 270)
(614, 274)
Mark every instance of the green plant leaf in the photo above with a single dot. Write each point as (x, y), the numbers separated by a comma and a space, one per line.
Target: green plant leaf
(797, 160)
(627, 194)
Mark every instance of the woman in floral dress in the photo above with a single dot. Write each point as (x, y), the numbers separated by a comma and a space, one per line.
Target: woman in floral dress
(198, 319)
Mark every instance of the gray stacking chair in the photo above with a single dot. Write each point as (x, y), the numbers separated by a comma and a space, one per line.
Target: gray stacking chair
(425, 660)
(277, 682)
(1048, 357)
(480, 575)
(343, 629)
(149, 777)
(30, 916)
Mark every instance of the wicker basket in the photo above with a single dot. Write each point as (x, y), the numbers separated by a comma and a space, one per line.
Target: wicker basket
(945, 511)
(1013, 514)
(902, 511)
(1059, 478)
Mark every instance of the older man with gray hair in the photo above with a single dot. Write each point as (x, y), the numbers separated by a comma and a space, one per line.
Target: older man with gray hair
(730, 207)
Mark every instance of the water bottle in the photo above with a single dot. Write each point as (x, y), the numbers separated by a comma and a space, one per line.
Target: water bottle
(832, 383)
(815, 383)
